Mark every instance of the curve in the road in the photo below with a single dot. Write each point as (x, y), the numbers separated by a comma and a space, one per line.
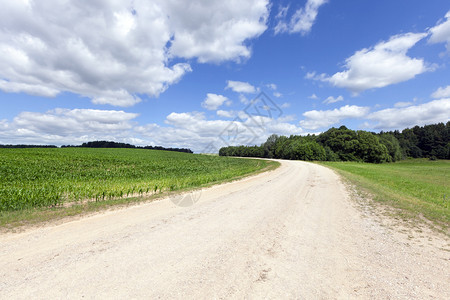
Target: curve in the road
(290, 233)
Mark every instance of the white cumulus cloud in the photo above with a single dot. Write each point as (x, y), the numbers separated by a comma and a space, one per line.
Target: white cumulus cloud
(316, 119)
(313, 96)
(241, 87)
(402, 104)
(113, 51)
(441, 32)
(398, 118)
(332, 99)
(442, 92)
(68, 126)
(277, 94)
(214, 101)
(195, 131)
(384, 64)
(226, 113)
(31, 89)
(215, 30)
(301, 21)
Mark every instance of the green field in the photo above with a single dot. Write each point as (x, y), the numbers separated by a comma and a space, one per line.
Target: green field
(419, 187)
(46, 178)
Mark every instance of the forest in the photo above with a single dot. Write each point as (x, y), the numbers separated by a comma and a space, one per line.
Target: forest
(343, 144)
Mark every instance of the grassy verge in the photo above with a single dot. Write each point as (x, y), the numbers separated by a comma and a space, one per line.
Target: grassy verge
(419, 189)
(40, 185)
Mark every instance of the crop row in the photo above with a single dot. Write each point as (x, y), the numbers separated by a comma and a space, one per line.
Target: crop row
(31, 178)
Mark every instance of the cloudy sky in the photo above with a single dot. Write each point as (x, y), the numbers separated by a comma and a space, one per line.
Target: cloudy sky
(204, 73)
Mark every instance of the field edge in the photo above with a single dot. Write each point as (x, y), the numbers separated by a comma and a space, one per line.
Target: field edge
(388, 204)
(17, 221)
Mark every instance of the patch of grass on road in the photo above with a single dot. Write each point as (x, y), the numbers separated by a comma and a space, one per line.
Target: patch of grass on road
(419, 187)
(45, 182)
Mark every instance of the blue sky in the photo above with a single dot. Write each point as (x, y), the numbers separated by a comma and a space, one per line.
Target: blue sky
(187, 73)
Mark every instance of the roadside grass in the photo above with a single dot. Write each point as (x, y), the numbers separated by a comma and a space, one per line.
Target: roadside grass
(418, 189)
(63, 183)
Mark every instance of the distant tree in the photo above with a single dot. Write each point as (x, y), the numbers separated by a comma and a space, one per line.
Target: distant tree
(426, 141)
(369, 149)
(342, 141)
(306, 150)
(281, 147)
(330, 155)
(392, 145)
(269, 146)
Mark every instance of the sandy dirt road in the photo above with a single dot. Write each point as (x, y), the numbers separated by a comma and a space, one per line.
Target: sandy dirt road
(292, 233)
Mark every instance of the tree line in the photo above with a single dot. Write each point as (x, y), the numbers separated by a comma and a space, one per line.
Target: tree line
(27, 146)
(110, 144)
(343, 144)
(102, 144)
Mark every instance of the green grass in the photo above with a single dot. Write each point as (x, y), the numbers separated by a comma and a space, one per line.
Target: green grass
(41, 181)
(419, 187)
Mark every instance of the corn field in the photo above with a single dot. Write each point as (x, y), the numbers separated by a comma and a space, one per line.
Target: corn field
(31, 178)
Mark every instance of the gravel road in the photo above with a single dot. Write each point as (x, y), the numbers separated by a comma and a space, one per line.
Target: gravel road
(286, 234)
